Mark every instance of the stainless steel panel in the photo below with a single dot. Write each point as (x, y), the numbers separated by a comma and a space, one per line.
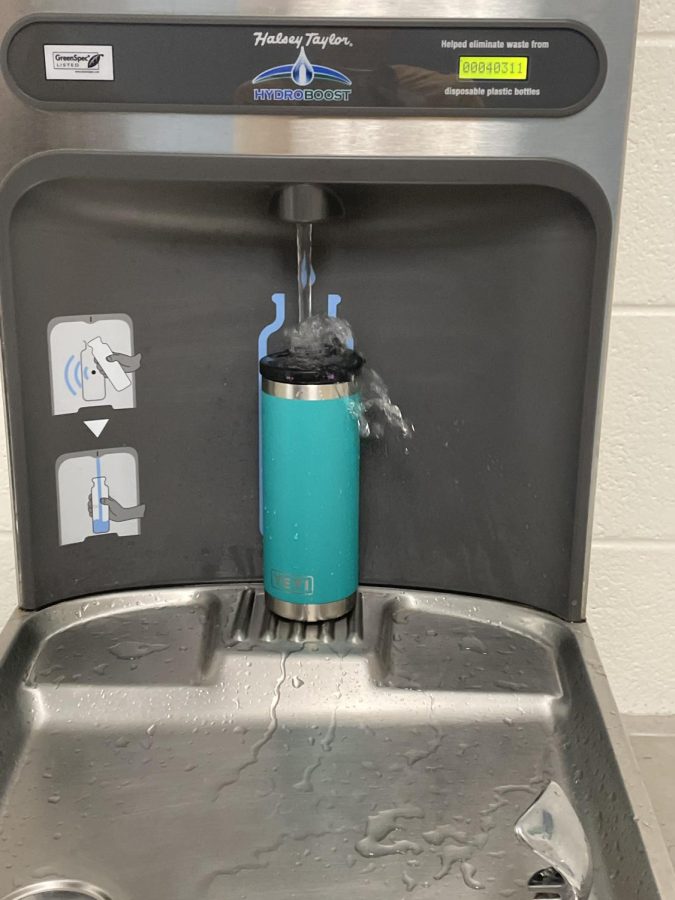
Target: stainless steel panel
(183, 744)
(593, 139)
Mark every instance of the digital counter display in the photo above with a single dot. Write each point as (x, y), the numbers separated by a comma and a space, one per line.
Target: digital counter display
(493, 68)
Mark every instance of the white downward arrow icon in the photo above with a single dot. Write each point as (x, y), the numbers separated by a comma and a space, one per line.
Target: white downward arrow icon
(96, 426)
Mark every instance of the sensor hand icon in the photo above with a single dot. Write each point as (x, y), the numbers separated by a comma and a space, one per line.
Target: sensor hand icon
(128, 363)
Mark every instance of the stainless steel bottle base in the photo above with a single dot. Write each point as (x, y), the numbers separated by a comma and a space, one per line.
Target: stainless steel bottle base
(310, 612)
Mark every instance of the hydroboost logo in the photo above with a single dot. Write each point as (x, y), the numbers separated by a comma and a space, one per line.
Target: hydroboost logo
(303, 74)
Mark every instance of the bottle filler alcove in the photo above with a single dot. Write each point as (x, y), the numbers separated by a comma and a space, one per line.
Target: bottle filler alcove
(167, 736)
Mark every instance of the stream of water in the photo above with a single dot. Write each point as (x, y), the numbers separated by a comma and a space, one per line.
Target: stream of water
(314, 334)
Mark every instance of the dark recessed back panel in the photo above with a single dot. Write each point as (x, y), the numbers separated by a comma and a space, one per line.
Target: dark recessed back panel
(474, 302)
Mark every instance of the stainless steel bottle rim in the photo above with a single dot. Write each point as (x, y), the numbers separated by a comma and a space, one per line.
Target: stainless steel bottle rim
(310, 391)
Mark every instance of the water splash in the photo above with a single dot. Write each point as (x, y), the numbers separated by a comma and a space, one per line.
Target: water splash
(268, 734)
(257, 862)
(414, 756)
(312, 335)
(468, 871)
(305, 783)
(329, 737)
(440, 835)
(451, 854)
(380, 826)
(457, 848)
(408, 881)
(376, 411)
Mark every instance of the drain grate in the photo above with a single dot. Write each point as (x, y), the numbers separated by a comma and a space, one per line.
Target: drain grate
(548, 884)
(254, 622)
(58, 890)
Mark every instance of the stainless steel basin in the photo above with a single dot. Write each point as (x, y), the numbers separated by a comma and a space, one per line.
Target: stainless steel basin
(184, 744)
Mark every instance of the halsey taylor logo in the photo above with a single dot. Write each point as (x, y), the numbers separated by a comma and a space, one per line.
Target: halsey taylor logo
(312, 82)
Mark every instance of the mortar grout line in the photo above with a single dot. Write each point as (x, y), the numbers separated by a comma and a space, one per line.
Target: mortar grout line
(649, 725)
(634, 544)
(635, 310)
(655, 38)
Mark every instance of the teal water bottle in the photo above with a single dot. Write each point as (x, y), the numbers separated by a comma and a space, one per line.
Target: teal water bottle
(310, 478)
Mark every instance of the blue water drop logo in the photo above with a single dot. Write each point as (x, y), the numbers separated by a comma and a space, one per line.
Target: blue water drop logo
(302, 72)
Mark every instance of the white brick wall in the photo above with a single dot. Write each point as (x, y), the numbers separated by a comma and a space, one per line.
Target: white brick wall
(632, 597)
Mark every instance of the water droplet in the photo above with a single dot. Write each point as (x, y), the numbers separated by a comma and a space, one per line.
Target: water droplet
(135, 649)
(472, 643)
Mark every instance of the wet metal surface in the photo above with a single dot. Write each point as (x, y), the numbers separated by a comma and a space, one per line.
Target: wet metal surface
(184, 744)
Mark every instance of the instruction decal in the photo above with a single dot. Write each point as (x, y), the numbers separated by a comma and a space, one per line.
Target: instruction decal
(98, 493)
(92, 363)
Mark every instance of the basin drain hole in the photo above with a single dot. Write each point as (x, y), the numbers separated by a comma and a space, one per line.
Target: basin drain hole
(547, 884)
(58, 890)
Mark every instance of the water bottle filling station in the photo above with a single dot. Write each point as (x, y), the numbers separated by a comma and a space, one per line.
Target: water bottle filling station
(257, 655)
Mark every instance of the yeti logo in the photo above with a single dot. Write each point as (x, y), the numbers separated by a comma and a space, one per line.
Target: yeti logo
(293, 584)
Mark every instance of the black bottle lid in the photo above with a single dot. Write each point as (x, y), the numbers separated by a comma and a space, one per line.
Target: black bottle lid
(332, 364)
